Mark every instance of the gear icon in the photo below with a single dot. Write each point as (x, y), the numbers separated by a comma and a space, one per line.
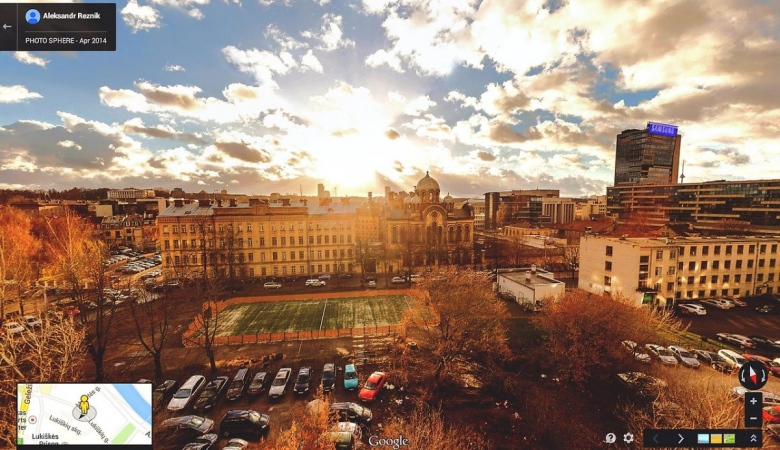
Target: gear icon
(628, 438)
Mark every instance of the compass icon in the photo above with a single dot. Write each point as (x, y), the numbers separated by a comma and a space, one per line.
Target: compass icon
(753, 375)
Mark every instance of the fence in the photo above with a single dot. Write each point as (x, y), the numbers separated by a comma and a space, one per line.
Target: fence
(189, 341)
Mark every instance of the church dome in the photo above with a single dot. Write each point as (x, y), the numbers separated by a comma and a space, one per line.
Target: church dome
(427, 184)
(416, 199)
(448, 199)
(407, 200)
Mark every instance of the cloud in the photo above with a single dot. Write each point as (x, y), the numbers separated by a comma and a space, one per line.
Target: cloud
(396, 97)
(486, 156)
(309, 61)
(392, 134)
(331, 34)
(431, 127)
(140, 18)
(16, 94)
(136, 126)
(243, 151)
(382, 57)
(283, 39)
(418, 106)
(262, 64)
(69, 144)
(174, 68)
(29, 58)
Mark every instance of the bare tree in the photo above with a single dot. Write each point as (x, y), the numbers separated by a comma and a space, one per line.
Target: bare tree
(152, 316)
(18, 250)
(55, 354)
(571, 256)
(425, 428)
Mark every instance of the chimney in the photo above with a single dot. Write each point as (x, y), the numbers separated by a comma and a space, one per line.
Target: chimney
(533, 268)
(204, 203)
(219, 203)
(178, 203)
(285, 202)
(232, 203)
(305, 202)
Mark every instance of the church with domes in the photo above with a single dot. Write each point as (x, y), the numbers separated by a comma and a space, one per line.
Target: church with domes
(423, 229)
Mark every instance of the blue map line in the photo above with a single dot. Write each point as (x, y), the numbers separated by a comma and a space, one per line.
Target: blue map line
(134, 399)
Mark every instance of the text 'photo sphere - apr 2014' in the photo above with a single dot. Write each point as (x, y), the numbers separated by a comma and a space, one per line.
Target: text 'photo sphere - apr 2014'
(359, 186)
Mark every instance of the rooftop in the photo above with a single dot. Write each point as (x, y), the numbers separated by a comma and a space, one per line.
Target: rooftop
(527, 277)
(681, 241)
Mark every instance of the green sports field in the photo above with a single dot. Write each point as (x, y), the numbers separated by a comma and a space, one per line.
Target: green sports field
(306, 315)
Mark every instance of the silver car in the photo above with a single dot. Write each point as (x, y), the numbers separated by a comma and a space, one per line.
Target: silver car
(685, 357)
(662, 354)
(279, 385)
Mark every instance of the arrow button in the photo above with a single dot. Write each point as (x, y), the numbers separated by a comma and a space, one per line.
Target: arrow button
(6, 26)
(681, 438)
(655, 438)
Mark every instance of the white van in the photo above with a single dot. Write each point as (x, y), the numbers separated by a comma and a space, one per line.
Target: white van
(187, 393)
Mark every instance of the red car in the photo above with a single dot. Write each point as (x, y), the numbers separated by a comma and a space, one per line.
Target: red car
(771, 414)
(372, 386)
(771, 366)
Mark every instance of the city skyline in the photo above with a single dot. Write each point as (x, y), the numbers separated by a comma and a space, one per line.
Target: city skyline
(488, 96)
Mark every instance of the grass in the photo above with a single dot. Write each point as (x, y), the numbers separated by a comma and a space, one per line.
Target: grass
(306, 315)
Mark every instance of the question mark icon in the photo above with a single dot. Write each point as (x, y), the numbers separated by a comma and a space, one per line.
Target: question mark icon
(611, 438)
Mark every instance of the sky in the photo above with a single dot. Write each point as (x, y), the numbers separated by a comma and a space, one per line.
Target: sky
(261, 96)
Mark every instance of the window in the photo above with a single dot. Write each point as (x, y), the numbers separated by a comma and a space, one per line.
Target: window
(726, 278)
(728, 250)
(715, 265)
(292, 255)
(319, 239)
(300, 240)
(689, 294)
(657, 287)
(249, 242)
(281, 227)
(713, 292)
(251, 256)
(221, 228)
(276, 271)
(737, 278)
(771, 277)
(762, 248)
(772, 263)
(724, 292)
(693, 251)
(318, 228)
(284, 241)
(735, 291)
(184, 243)
(659, 255)
(701, 294)
(274, 256)
(608, 265)
(670, 270)
(607, 281)
(760, 277)
(175, 229)
(311, 256)
(262, 242)
(680, 265)
(669, 286)
(349, 239)
(748, 278)
(249, 227)
(319, 267)
(284, 256)
(260, 227)
(751, 249)
(704, 265)
(702, 280)
(273, 241)
(705, 250)
(673, 253)
(690, 280)
(750, 263)
(677, 294)
(327, 254)
(341, 254)
(760, 263)
(727, 264)
(644, 259)
(717, 249)
(292, 270)
(240, 242)
(319, 254)
(739, 264)
(692, 265)
(714, 279)
(251, 271)
(300, 256)
(327, 267)
(659, 271)
(273, 228)
(773, 248)
(349, 253)
(609, 251)
(165, 228)
(327, 239)
(740, 249)
(311, 240)
(167, 245)
(177, 260)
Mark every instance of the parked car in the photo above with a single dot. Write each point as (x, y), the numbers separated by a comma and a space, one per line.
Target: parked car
(315, 283)
(279, 385)
(734, 359)
(32, 322)
(771, 366)
(372, 284)
(769, 398)
(415, 278)
(736, 339)
(343, 440)
(239, 384)
(369, 278)
(349, 427)
(718, 303)
(737, 301)
(328, 377)
(13, 328)
(350, 377)
(324, 276)
(351, 412)
(345, 275)
(372, 386)
(713, 360)
(771, 414)
(765, 343)
(205, 442)
(244, 422)
(641, 383)
(208, 398)
(302, 380)
(164, 392)
(186, 427)
(187, 393)
(398, 280)
(257, 386)
(768, 309)
(633, 348)
(236, 444)
(692, 308)
(662, 354)
(685, 357)
(272, 285)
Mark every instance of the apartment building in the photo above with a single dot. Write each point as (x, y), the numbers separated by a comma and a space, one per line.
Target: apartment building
(257, 239)
(130, 193)
(135, 231)
(664, 271)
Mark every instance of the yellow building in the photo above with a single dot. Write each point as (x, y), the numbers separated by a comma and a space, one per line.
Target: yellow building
(258, 238)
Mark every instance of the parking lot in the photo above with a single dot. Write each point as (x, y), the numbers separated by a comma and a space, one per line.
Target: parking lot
(742, 320)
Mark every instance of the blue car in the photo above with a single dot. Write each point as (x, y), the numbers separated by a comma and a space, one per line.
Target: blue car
(350, 377)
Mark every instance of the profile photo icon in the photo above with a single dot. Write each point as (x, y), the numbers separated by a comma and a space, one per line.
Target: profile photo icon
(33, 16)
